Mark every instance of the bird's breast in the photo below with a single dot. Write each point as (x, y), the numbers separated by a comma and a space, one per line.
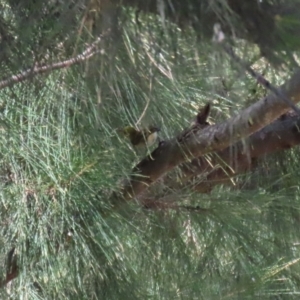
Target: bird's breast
(151, 139)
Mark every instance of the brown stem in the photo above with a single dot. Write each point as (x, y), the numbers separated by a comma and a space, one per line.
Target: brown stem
(12, 268)
(31, 72)
(203, 141)
(240, 158)
(219, 37)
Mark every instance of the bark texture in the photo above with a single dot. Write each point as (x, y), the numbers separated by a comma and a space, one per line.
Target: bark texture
(214, 138)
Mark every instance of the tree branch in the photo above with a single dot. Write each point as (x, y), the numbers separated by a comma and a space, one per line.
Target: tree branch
(35, 70)
(242, 157)
(12, 268)
(213, 138)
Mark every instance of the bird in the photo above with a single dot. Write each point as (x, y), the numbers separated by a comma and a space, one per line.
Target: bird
(199, 122)
(145, 137)
(202, 116)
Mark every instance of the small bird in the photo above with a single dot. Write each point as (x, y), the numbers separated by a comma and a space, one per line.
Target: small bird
(141, 138)
(199, 122)
(202, 116)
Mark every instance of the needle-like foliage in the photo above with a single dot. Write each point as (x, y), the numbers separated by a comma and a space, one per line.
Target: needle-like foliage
(62, 158)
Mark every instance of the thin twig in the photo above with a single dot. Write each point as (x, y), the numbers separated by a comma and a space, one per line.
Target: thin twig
(219, 38)
(12, 268)
(31, 72)
(194, 208)
(147, 104)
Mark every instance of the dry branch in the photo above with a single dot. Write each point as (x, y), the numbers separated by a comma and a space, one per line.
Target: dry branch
(219, 38)
(90, 51)
(12, 268)
(213, 138)
(282, 134)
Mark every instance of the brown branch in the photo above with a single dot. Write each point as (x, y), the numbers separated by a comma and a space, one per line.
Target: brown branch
(163, 205)
(35, 70)
(282, 134)
(12, 268)
(213, 138)
(219, 38)
(203, 173)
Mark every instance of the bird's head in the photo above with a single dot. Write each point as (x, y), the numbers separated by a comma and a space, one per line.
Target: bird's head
(146, 136)
(128, 131)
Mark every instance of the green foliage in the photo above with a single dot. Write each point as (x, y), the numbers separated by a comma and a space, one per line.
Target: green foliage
(62, 158)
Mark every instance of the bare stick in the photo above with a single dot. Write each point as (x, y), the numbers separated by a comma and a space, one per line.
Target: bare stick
(31, 72)
(12, 268)
(219, 38)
